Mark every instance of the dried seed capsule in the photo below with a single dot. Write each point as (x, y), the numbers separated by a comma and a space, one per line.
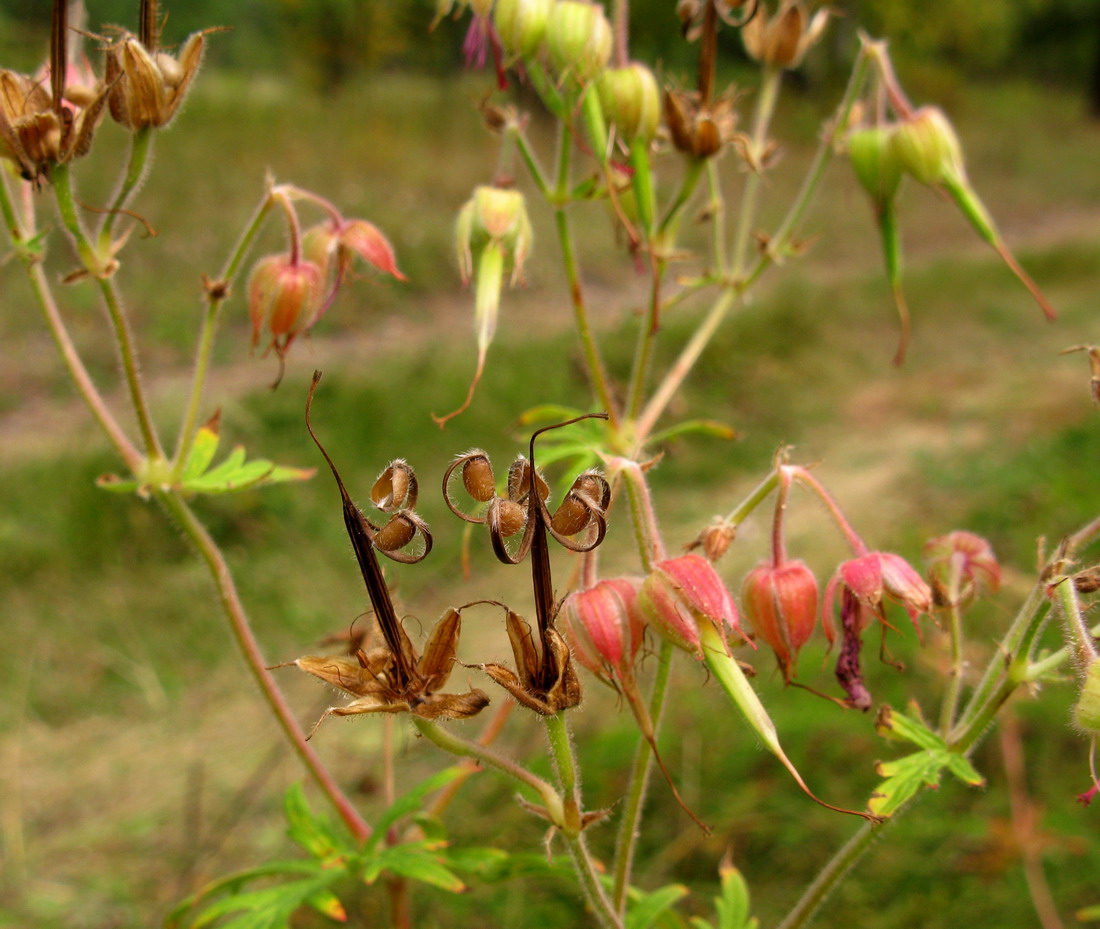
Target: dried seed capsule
(506, 517)
(396, 534)
(572, 516)
(519, 480)
(396, 487)
(477, 478)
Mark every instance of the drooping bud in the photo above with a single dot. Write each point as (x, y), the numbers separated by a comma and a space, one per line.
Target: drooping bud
(521, 25)
(878, 169)
(631, 101)
(604, 626)
(961, 565)
(928, 148)
(147, 88)
(875, 161)
(283, 297)
(579, 39)
(679, 594)
(780, 603)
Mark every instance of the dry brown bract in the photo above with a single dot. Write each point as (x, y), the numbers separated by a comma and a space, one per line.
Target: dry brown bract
(148, 86)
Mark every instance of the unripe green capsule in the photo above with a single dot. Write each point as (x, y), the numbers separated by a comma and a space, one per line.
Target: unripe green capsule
(579, 39)
(521, 25)
(875, 161)
(631, 100)
(1086, 711)
(928, 148)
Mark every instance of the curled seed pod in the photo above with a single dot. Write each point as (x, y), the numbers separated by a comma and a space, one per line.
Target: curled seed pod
(573, 516)
(396, 534)
(506, 517)
(477, 477)
(519, 481)
(396, 487)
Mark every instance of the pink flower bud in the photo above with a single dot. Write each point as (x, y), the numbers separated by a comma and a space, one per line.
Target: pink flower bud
(960, 565)
(780, 602)
(283, 297)
(682, 592)
(604, 626)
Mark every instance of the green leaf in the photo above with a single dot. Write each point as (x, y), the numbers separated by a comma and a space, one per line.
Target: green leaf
(233, 882)
(316, 834)
(234, 474)
(906, 776)
(203, 449)
(409, 803)
(707, 427)
(493, 864)
(328, 904)
(649, 907)
(418, 862)
(269, 908)
(1089, 914)
(732, 907)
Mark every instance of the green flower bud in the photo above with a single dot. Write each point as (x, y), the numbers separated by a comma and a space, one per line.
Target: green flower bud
(631, 100)
(579, 39)
(875, 161)
(521, 25)
(928, 148)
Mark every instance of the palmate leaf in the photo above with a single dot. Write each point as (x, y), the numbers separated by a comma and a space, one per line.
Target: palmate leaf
(233, 474)
(304, 872)
(270, 907)
(645, 909)
(906, 776)
(316, 834)
(419, 861)
(731, 907)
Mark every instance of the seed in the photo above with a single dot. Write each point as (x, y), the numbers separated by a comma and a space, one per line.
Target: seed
(477, 478)
(397, 533)
(395, 488)
(508, 517)
(572, 516)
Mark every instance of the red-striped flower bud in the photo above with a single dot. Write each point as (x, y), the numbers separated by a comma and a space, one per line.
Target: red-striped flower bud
(283, 298)
(604, 627)
(780, 603)
(682, 592)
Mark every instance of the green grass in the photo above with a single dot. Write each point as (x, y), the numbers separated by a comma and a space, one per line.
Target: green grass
(127, 710)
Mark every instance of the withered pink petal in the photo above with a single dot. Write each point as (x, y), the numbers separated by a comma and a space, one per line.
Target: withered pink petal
(863, 577)
(368, 242)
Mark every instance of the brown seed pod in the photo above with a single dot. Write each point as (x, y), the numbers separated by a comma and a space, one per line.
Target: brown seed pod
(572, 516)
(396, 487)
(396, 534)
(506, 517)
(477, 477)
(519, 481)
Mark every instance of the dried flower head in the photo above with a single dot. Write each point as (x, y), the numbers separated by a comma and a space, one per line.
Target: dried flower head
(392, 677)
(40, 125)
(960, 566)
(147, 84)
(783, 39)
(519, 522)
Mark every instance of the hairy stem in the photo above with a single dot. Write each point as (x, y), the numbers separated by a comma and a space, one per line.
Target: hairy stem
(141, 145)
(184, 517)
(124, 340)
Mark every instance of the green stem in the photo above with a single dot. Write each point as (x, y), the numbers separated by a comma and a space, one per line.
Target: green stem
(954, 683)
(184, 517)
(597, 373)
(531, 159)
(716, 208)
(445, 739)
(758, 139)
(682, 366)
(779, 240)
(216, 295)
(626, 840)
(833, 873)
(66, 204)
(561, 748)
(85, 386)
(755, 497)
(647, 336)
(141, 144)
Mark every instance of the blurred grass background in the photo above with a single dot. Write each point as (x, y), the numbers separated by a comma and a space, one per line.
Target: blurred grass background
(137, 760)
